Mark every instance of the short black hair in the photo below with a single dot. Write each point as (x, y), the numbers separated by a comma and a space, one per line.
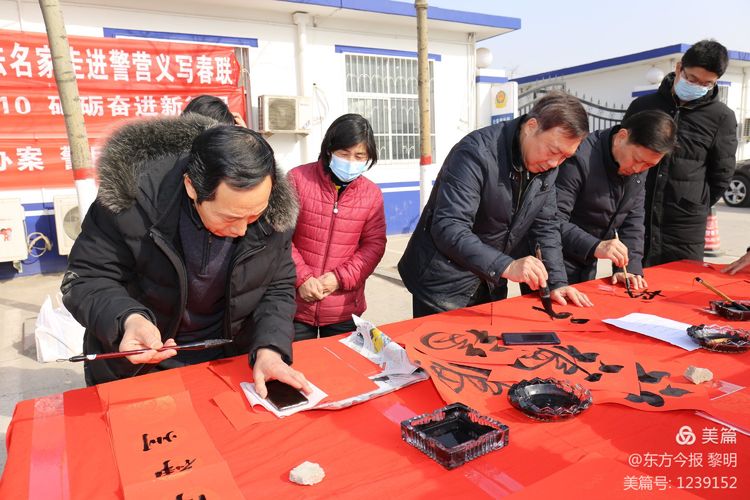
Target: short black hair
(560, 109)
(707, 54)
(347, 131)
(236, 155)
(652, 129)
(210, 106)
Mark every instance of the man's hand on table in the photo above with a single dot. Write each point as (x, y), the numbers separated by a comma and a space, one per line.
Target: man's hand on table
(140, 333)
(568, 293)
(636, 282)
(270, 366)
(738, 264)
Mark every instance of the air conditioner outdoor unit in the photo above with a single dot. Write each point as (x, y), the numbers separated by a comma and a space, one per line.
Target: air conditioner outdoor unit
(67, 222)
(284, 114)
(13, 243)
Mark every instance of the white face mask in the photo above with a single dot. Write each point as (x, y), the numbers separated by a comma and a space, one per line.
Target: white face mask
(687, 91)
(347, 170)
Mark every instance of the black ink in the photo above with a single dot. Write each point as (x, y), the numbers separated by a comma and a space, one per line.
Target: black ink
(673, 391)
(649, 377)
(467, 341)
(148, 443)
(551, 313)
(586, 357)
(647, 397)
(474, 351)
(646, 295)
(545, 356)
(484, 371)
(457, 380)
(180, 497)
(594, 377)
(170, 469)
(483, 336)
(609, 368)
(579, 321)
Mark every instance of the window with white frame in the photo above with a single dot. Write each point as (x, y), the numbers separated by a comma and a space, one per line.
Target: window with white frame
(384, 90)
(723, 93)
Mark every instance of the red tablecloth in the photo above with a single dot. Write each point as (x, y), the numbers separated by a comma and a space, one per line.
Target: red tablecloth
(61, 446)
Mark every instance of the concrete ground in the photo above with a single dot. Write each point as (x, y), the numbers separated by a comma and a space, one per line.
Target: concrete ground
(22, 377)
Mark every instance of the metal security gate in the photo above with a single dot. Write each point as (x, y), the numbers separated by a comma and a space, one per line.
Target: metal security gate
(600, 116)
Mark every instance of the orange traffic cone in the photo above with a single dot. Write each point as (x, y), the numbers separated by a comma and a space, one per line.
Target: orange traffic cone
(713, 242)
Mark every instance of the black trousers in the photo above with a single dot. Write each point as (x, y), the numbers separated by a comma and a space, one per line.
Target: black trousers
(481, 296)
(303, 331)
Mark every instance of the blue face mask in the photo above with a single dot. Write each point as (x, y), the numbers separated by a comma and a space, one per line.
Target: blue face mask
(347, 170)
(687, 91)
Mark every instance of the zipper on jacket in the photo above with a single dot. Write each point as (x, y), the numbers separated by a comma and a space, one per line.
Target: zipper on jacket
(328, 246)
(206, 253)
(228, 289)
(676, 119)
(179, 266)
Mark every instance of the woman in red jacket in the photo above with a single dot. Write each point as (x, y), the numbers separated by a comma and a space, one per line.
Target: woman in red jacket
(340, 234)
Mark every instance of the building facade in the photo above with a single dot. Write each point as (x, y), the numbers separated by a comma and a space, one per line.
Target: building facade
(332, 56)
(614, 83)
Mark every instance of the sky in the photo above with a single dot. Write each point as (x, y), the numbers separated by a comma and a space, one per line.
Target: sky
(557, 33)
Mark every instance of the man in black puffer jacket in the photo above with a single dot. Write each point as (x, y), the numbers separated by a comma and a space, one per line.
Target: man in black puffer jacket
(492, 201)
(686, 184)
(185, 247)
(601, 189)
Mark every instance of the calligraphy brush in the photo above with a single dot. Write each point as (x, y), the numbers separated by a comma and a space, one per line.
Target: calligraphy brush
(625, 270)
(724, 296)
(544, 292)
(191, 346)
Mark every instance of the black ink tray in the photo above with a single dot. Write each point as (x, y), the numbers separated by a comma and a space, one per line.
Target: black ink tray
(549, 399)
(720, 338)
(731, 312)
(454, 434)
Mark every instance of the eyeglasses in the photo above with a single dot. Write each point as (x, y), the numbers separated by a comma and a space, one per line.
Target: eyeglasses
(692, 79)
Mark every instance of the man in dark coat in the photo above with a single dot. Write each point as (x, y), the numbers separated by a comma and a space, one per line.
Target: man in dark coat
(185, 247)
(600, 192)
(492, 201)
(684, 186)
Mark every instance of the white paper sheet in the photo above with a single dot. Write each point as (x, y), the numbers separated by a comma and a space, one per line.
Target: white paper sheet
(656, 327)
(315, 397)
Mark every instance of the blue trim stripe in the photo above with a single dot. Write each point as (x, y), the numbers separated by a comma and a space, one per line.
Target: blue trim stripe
(606, 63)
(382, 52)
(38, 206)
(617, 61)
(739, 56)
(407, 9)
(491, 79)
(234, 41)
(724, 83)
(386, 185)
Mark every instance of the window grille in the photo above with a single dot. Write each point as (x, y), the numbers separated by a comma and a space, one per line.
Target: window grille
(384, 90)
(723, 93)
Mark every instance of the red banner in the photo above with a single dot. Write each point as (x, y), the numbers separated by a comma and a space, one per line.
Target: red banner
(116, 63)
(34, 113)
(118, 80)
